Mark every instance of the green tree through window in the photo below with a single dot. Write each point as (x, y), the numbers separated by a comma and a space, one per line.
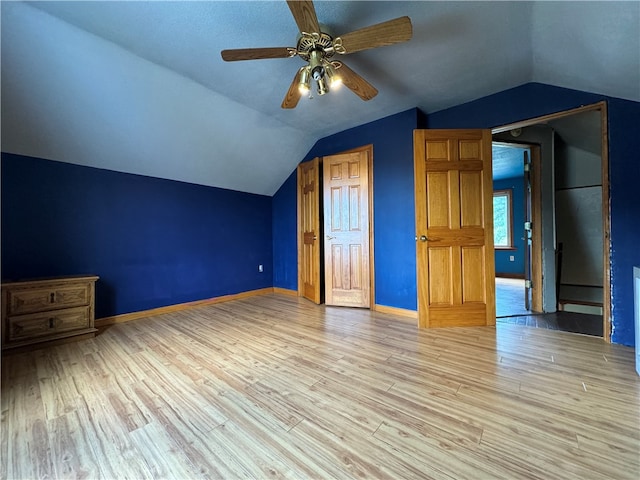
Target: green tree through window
(502, 219)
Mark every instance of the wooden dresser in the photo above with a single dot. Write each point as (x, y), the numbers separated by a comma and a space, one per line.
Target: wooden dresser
(47, 310)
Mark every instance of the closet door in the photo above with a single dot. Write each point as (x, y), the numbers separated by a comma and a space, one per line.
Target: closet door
(309, 230)
(346, 229)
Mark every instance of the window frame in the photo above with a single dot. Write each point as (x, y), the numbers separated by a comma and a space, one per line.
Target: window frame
(506, 192)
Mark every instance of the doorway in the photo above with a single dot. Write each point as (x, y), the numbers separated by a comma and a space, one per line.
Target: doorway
(516, 220)
(346, 229)
(574, 224)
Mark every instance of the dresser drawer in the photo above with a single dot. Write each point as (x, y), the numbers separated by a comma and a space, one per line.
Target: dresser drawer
(48, 323)
(30, 300)
(72, 319)
(47, 310)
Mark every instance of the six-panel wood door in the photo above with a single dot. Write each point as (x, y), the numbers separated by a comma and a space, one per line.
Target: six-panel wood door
(346, 229)
(454, 228)
(309, 230)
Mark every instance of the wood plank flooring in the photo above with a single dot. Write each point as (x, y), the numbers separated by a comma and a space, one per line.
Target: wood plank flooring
(510, 297)
(510, 309)
(276, 387)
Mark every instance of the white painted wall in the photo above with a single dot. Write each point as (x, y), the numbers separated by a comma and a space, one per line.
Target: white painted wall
(70, 96)
(579, 222)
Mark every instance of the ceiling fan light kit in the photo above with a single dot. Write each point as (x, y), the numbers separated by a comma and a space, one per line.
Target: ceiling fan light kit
(316, 47)
(304, 84)
(335, 80)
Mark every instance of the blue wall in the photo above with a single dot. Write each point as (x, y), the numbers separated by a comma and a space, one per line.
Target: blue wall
(503, 264)
(624, 178)
(393, 208)
(152, 242)
(285, 240)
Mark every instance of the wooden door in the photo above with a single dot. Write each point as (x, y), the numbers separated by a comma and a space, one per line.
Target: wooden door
(536, 227)
(454, 228)
(309, 230)
(346, 228)
(528, 232)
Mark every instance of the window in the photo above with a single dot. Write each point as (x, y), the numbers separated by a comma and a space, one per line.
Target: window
(502, 219)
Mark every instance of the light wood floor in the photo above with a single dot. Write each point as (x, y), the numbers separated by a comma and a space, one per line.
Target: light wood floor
(510, 297)
(273, 386)
(510, 309)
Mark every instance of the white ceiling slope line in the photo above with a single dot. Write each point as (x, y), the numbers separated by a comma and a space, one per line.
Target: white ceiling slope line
(74, 97)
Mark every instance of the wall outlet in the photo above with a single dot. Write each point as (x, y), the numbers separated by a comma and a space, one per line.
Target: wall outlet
(260, 268)
(511, 259)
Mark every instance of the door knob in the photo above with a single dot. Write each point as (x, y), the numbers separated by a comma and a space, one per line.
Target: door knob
(423, 238)
(330, 237)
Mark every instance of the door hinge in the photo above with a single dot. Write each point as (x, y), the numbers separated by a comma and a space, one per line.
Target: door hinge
(528, 284)
(528, 226)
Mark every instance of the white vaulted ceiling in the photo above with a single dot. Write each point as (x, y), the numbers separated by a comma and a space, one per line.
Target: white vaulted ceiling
(140, 87)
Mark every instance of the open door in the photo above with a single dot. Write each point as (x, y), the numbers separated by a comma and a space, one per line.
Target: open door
(347, 229)
(309, 230)
(528, 232)
(454, 228)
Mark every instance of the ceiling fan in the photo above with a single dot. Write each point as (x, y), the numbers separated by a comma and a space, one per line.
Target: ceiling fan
(317, 47)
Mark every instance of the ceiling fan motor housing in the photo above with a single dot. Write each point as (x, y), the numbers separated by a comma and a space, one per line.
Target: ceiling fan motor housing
(309, 42)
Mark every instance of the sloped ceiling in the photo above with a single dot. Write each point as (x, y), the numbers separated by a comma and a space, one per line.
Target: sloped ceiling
(508, 162)
(140, 87)
(582, 131)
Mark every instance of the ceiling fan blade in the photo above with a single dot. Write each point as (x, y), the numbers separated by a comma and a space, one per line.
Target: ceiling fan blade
(293, 95)
(356, 83)
(257, 53)
(304, 14)
(386, 33)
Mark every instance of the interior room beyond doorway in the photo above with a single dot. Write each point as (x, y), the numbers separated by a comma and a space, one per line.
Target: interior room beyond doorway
(573, 181)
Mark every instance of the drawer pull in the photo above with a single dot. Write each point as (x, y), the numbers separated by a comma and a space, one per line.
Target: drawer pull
(52, 322)
(52, 297)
